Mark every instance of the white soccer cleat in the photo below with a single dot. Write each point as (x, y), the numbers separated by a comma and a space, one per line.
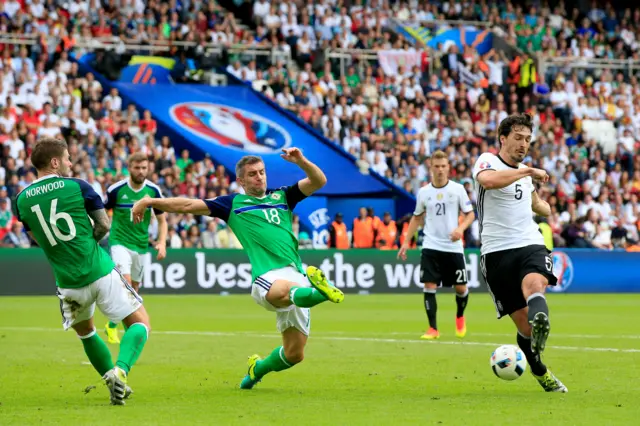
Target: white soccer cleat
(116, 381)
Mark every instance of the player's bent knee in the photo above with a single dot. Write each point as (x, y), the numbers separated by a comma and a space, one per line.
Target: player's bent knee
(140, 316)
(278, 294)
(535, 283)
(430, 286)
(84, 328)
(461, 289)
(294, 356)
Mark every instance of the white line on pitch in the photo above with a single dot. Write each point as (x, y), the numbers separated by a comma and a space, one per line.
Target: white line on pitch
(346, 338)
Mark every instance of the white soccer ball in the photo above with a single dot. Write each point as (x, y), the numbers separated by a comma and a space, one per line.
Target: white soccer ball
(508, 362)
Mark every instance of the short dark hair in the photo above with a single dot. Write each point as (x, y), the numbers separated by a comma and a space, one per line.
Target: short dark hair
(46, 149)
(247, 160)
(515, 120)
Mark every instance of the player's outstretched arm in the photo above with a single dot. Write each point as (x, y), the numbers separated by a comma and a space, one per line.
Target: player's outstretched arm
(315, 179)
(494, 179)
(539, 206)
(169, 205)
(101, 223)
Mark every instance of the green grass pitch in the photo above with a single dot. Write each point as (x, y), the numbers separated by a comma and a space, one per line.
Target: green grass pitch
(364, 365)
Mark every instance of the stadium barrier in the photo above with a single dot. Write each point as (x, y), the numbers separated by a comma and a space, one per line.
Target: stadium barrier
(196, 271)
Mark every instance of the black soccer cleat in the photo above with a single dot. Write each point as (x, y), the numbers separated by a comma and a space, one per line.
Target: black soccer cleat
(540, 329)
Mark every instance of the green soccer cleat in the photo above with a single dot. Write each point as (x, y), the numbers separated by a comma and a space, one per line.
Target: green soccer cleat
(320, 282)
(112, 334)
(550, 383)
(250, 380)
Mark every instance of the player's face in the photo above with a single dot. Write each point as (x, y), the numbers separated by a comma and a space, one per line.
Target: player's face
(138, 172)
(254, 180)
(63, 164)
(516, 145)
(440, 169)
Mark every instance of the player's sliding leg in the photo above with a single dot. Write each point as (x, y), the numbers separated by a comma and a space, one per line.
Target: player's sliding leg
(431, 306)
(321, 285)
(462, 298)
(544, 376)
(533, 287)
(281, 358)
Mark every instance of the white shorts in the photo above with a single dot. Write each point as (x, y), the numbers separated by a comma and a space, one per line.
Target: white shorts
(291, 316)
(128, 262)
(112, 293)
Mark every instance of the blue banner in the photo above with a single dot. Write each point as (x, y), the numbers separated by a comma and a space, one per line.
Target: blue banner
(314, 217)
(596, 271)
(231, 122)
(482, 41)
(141, 69)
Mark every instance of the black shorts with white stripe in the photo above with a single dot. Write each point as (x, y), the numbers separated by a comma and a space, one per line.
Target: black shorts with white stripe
(504, 271)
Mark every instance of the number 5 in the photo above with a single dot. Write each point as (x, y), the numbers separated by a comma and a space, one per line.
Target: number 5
(518, 191)
(548, 263)
(54, 217)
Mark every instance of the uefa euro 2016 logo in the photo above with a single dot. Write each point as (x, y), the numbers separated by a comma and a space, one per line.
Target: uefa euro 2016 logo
(563, 270)
(231, 127)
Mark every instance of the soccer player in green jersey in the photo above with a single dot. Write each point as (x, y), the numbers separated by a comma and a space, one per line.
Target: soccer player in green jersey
(130, 241)
(56, 212)
(262, 222)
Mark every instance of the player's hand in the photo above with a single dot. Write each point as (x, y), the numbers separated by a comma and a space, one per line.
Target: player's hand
(540, 175)
(139, 208)
(402, 253)
(456, 235)
(162, 250)
(292, 155)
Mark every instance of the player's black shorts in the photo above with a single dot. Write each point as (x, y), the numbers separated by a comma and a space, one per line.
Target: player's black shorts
(441, 266)
(504, 271)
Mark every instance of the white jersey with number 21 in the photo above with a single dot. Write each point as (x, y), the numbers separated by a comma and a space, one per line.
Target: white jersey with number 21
(505, 215)
(442, 207)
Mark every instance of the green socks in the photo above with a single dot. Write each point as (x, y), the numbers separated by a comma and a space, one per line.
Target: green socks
(274, 362)
(131, 346)
(112, 324)
(306, 297)
(97, 352)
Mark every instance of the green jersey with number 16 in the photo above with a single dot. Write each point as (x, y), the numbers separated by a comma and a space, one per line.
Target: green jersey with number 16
(263, 226)
(55, 210)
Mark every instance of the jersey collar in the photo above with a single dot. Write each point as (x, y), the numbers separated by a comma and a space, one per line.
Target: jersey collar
(440, 187)
(45, 177)
(131, 186)
(505, 163)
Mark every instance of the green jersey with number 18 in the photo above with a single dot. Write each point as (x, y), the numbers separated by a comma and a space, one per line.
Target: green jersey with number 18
(55, 210)
(263, 226)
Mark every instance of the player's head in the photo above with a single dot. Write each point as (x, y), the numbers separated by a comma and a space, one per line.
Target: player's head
(51, 155)
(439, 168)
(514, 135)
(251, 175)
(138, 165)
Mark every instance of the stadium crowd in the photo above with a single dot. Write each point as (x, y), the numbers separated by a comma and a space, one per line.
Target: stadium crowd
(391, 122)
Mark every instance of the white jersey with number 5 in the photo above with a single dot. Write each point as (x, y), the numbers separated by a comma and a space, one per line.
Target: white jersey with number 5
(443, 206)
(505, 215)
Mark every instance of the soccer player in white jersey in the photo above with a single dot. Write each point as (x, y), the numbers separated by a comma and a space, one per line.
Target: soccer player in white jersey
(514, 260)
(442, 260)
